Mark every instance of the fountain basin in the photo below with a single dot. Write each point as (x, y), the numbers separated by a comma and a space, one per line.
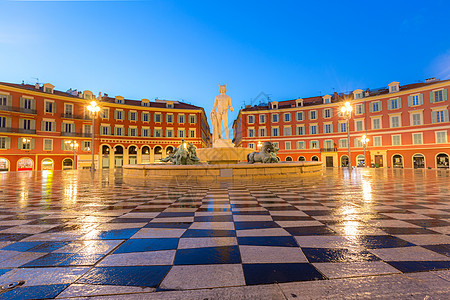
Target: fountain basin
(223, 172)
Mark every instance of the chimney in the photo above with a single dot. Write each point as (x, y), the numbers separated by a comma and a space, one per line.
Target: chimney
(36, 86)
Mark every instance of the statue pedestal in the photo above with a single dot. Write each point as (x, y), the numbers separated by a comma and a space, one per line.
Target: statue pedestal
(223, 155)
(223, 143)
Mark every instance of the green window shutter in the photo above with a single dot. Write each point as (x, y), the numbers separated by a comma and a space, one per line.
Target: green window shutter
(331, 127)
(129, 131)
(115, 114)
(62, 127)
(381, 105)
(129, 115)
(32, 144)
(444, 94)
(433, 117)
(54, 107)
(446, 115)
(20, 143)
(22, 102)
(371, 107)
(33, 124)
(21, 123)
(42, 125)
(431, 97)
(8, 143)
(62, 145)
(409, 100)
(390, 104)
(33, 104)
(109, 130)
(142, 131)
(420, 99)
(8, 122)
(399, 101)
(142, 116)
(54, 126)
(9, 100)
(323, 113)
(331, 111)
(324, 128)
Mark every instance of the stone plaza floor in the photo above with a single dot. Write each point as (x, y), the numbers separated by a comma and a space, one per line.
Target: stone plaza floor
(374, 233)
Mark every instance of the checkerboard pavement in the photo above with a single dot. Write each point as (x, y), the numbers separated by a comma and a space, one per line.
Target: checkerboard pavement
(67, 234)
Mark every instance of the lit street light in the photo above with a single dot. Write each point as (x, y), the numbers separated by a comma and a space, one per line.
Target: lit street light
(365, 141)
(347, 113)
(94, 109)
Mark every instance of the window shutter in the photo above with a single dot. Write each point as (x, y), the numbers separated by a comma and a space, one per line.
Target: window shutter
(142, 116)
(33, 124)
(323, 112)
(22, 102)
(371, 107)
(62, 145)
(331, 112)
(363, 108)
(324, 128)
(8, 143)
(62, 127)
(20, 143)
(142, 131)
(33, 104)
(399, 102)
(115, 114)
(54, 126)
(420, 99)
(331, 127)
(390, 104)
(129, 131)
(433, 117)
(409, 100)
(8, 122)
(42, 125)
(9, 100)
(129, 115)
(21, 124)
(444, 94)
(446, 115)
(109, 130)
(380, 105)
(32, 144)
(195, 116)
(431, 97)
(54, 107)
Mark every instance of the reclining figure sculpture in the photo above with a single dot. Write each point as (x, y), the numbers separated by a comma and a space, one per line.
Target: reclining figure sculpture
(185, 154)
(268, 154)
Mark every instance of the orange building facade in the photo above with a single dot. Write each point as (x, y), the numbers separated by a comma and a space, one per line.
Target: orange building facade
(45, 129)
(406, 126)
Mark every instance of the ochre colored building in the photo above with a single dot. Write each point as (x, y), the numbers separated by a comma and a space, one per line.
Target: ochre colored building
(39, 127)
(407, 127)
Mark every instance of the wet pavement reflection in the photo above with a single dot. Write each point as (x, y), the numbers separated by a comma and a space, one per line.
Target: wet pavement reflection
(65, 228)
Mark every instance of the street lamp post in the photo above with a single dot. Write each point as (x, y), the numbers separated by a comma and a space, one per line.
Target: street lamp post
(347, 112)
(74, 146)
(94, 109)
(365, 141)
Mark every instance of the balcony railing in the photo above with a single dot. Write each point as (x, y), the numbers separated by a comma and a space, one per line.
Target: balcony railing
(76, 134)
(18, 109)
(333, 149)
(72, 116)
(17, 130)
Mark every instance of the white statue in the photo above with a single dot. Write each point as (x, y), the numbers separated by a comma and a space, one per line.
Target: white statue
(219, 117)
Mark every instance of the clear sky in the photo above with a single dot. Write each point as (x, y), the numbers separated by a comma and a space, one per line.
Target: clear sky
(181, 50)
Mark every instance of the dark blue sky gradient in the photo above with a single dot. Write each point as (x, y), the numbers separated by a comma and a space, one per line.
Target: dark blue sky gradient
(181, 50)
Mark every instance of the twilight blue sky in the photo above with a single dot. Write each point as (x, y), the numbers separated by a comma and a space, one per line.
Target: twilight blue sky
(181, 50)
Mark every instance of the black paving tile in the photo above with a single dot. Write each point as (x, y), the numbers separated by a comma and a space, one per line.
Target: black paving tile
(278, 273)
(209, 255)
(143, 245)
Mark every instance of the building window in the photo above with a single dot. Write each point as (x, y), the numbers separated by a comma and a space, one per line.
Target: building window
(119, 114)
(438, 96)
(27, 103)
(359, 125)
(169, 133)
(359, 109)
(133, 116)
(262, 132)
(105, 113)
(251, 133)
(25, 143)
(262, 118)
(2, 122)
(300, 130)
(274, 131)
(251, 145)
(300, 116)
(158, 132)
(86, 145)
(192, 119)
(169, 118)
(439, 116)
(158, 118)
(50, 107)
(68, 127)
(313, 129)
(274, 118)
(105, 130)
(417, 138)
(376, 123)
(145, 117)
(395, 121)
(300, 145)
(132, 131)
(181, 133)
(287, 117)
(376, 106)
(358, 143)
(328, 128)
(327, 113)
(3, 100)
(48, 144)
(119, 130)
(396, 140)
(343, 143)
(192, 133)
(145, 132)
(251, 119)
(26, 124)
(313, 114)
(416, 119)
(287, 131)
(49, 126)
(342, 127)
(377, 141)
(181, 119)
(314, 144)
(287, 145)
(4, 142)
(394, 103)
(441, 137)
